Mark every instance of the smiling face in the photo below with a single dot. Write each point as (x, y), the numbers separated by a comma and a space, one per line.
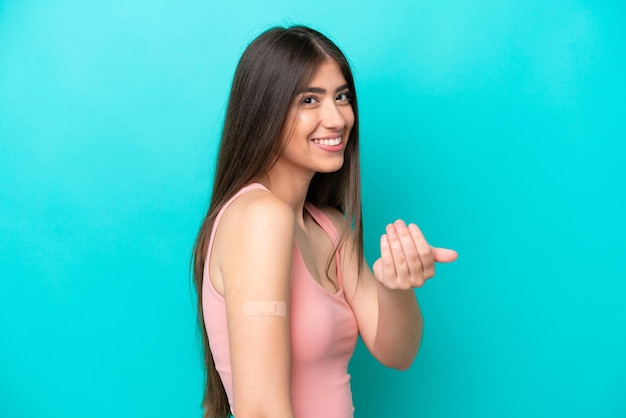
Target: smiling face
(319, 124)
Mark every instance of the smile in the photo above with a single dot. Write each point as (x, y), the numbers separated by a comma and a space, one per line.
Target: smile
(328, 142)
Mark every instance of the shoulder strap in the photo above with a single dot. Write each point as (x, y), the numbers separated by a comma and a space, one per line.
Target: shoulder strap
(329, 227)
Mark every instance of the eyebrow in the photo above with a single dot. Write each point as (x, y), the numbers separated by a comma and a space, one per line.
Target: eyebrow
(320, 90)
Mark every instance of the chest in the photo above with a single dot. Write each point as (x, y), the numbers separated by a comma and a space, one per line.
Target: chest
(323, 325)
(318, 255)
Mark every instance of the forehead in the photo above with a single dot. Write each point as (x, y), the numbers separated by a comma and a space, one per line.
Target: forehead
(328, 74)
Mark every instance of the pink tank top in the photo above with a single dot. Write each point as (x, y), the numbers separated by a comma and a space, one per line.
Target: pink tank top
(323, 333)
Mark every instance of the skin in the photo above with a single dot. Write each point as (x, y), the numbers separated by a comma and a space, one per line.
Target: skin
(263, 225)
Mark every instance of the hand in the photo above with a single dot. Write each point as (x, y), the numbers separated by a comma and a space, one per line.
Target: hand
(406, 259)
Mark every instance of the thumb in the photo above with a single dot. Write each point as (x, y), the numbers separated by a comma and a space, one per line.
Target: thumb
(444, 255)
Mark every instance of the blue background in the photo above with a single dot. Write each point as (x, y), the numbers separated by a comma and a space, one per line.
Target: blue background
(497, 126)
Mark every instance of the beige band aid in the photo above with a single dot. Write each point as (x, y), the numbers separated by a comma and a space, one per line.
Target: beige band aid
(265, 308)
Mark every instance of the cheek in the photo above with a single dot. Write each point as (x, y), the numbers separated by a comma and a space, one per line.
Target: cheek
(349, 117)
(302, 125)
(306, 122)
(297, 124)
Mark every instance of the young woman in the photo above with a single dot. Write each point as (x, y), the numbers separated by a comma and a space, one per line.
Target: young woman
(283, 289)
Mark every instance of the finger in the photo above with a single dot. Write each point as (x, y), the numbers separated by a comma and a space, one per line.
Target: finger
(399, 259)
(387, 267)
(411, 254)
(424, 250)
(444, 255)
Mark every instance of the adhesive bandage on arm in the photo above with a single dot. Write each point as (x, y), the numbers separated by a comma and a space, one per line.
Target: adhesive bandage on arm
(264, 308)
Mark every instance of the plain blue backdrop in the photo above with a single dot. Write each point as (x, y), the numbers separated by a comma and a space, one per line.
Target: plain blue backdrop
(497, 126)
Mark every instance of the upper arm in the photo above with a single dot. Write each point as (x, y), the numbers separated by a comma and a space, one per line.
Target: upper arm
(256, 246)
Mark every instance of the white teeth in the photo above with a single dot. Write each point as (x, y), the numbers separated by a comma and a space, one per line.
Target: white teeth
(328, 142)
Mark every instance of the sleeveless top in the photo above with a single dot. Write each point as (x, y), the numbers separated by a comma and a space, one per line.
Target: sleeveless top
(323, 332)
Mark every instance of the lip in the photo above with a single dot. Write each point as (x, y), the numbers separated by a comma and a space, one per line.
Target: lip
(331, 136)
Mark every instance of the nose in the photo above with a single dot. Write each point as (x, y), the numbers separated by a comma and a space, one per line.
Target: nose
(332, 118)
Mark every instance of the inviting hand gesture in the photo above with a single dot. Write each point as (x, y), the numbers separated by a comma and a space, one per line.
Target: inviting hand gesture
(406, 259)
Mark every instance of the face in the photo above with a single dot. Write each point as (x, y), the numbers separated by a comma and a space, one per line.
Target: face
(319, 123)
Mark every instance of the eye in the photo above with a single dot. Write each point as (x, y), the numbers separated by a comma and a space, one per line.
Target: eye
(344, 97)
(309, 100)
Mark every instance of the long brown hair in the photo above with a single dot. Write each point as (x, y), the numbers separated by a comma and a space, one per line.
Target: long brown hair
(272, 70)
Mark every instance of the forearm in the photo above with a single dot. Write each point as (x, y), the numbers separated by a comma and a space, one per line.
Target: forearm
(399, 327)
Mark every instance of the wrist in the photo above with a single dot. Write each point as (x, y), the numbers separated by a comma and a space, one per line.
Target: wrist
(395, 293)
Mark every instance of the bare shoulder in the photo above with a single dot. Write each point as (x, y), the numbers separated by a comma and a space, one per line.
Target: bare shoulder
(258, 209)
(256, 233)
(254, 222)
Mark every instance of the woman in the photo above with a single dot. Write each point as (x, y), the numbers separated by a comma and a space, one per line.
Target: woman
(283, 289)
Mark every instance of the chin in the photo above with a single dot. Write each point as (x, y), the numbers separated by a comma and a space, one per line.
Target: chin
(330, 168)
(332, 165)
